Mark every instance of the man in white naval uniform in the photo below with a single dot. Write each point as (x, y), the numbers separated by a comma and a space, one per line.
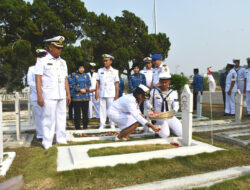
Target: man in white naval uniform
(148, 71)
(36, 109)
(159, 67)
(52, 86)
(93, 103)
(247, 86)
(240, 75)
(107, 88)
(230, 89)
(163, 99)
(126, 114)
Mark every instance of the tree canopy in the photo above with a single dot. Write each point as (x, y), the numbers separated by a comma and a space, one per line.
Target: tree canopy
(24, 26)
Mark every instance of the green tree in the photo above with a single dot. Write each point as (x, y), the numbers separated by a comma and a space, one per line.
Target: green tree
(178, 82)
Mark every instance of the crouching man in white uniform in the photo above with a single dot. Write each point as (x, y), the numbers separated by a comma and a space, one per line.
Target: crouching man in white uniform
(163, 99)
(52, 85)
(36, 109)
(126, 114)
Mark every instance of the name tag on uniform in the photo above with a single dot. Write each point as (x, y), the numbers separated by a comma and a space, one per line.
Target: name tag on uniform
(49, 63)
(102, 72)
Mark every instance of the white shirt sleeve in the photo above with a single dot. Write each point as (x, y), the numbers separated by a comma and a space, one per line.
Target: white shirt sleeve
(233, 76)
(175, 103)
(135, 112)
(117, 76)
(39, 68)
(98, 75)
(30, 80)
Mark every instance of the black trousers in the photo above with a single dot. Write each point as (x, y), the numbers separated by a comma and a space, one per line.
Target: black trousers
(71, 110)
(224, 97)
(195, 94)
(81, 106)
(142, 107)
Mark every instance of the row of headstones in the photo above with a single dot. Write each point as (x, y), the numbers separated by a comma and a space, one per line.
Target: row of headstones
(238, 106)
(18, 126)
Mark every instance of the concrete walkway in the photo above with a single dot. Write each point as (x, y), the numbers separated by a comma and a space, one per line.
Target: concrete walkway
(188, 182)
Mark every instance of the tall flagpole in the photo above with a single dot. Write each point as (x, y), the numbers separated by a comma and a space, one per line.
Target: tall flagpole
(155, 17)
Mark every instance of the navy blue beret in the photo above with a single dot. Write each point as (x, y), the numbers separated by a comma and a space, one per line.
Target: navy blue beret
(156, 57)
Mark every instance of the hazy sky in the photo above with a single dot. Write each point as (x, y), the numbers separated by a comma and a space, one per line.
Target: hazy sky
(202, 32)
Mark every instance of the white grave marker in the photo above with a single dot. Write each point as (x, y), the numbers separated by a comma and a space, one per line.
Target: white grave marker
(1, 132)
(17, 110)
(199, 105)
(187, 109)
(238, 106)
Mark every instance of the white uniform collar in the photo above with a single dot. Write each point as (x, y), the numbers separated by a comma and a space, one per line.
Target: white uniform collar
(51, 57)
(111, 68)
(145, 69)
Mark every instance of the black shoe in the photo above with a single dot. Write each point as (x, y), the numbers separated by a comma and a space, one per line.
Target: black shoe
(232, 114)
(227, 114)
(39, 139)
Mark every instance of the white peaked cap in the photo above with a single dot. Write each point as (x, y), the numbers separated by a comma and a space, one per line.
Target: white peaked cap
(164, 75)
(40, 50)
(92, 64)
(55, 39)
(105, 56)
(230, 63)
(147, 59)
(143, 87)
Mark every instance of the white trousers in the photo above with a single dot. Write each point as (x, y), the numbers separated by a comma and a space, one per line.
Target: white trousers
(174, 125)
(123, 121)
(240, 86)
(248, 101)
(54, 121)
(38, 115)
(230, 103)
(104, 105)
(93, 104)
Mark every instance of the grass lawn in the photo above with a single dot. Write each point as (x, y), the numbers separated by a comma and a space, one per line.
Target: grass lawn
(218, 112)
(38, 166)
(128, 149)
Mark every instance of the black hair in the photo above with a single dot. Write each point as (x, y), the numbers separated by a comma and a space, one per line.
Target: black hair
(196, 70)
(79, 64)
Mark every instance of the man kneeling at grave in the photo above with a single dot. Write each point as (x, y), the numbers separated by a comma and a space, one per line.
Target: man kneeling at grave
(164, 100)
(126, 114)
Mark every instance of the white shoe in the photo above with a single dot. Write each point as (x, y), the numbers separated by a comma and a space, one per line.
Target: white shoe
(101, 127)
(46, 147)
(116, 138)
(112, 127)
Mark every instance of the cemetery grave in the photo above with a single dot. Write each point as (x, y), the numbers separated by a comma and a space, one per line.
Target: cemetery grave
(77, 158)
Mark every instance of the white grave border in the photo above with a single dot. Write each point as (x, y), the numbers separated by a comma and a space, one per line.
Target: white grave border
(76, 157)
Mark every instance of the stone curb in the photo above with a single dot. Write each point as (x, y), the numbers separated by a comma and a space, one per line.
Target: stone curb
(192, 181)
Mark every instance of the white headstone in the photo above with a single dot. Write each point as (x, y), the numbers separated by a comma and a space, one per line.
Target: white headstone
(238, 106)
(17, 110)
(187, 117)
(1, 131)
(199, 105)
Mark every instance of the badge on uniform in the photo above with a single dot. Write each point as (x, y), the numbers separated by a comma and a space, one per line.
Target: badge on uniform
(166, 69)
(233, 77)
(85, 76)
(140, 76)
(77, 76)
(133, 76)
